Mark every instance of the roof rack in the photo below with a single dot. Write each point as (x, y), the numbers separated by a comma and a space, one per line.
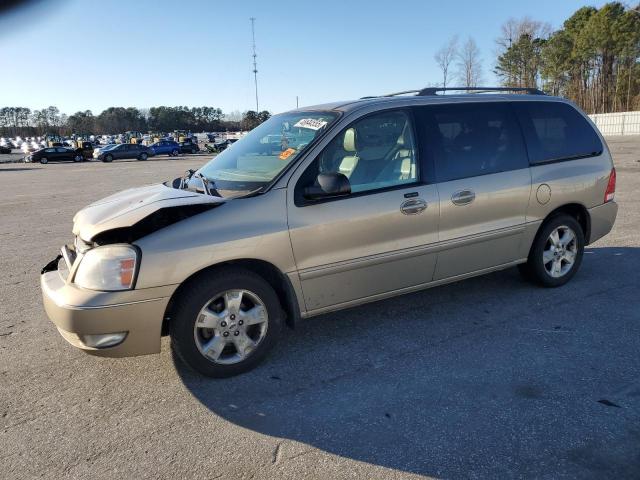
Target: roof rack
(391, 94)
(433, 90)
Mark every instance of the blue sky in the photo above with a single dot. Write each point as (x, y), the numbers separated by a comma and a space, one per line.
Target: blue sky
(89, 54)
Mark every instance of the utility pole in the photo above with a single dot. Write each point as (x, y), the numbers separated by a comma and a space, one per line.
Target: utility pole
(255, 65)
(296, 102)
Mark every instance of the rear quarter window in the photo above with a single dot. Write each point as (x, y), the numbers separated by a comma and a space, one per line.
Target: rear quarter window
(556, 131)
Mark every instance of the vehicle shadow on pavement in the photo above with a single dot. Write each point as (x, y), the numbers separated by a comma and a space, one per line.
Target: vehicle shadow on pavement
(491, 377)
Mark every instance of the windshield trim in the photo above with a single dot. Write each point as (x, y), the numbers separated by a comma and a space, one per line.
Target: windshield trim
(300, 157)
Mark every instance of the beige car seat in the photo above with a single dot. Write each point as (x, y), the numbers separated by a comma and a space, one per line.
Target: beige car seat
(349, 162)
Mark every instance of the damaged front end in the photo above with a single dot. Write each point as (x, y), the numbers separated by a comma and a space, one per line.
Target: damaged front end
(89, 289)
(124, 218)
(132, 214)
(153, 222)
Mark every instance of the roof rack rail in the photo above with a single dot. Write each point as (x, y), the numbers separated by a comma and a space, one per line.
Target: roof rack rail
(433, 90)
(391, 94)
(402, 93)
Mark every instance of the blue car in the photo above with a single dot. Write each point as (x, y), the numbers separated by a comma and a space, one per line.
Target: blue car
(167, 147)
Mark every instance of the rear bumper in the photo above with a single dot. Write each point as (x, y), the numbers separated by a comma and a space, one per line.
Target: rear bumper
(602, 219)
(77, 312)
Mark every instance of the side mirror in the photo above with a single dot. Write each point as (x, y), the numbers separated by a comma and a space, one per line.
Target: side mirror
(330, 184)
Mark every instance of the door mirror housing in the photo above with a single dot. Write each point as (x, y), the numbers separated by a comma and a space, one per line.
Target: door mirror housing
(327, 185)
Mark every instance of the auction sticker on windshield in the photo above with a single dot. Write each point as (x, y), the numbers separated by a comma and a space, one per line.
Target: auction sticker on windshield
(287, 153)
(311, 123)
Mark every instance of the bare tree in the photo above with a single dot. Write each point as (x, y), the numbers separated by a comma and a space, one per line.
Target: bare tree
(519, 50)
(445, 57)
(513, 29)
(469, 66)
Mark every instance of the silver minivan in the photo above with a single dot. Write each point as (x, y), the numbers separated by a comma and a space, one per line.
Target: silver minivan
(328, 207)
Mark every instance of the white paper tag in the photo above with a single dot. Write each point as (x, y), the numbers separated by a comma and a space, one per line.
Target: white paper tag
(311, 124)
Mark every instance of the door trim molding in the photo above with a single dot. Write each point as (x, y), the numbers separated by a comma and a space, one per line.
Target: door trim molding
(393, 256)
(402, 291)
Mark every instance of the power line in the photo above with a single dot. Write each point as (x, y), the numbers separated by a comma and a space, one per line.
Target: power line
(255, 64)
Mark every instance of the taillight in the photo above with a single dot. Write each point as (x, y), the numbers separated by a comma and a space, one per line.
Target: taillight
(610, 192)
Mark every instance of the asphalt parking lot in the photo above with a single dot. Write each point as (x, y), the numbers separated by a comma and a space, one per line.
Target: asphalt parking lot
(487, 378)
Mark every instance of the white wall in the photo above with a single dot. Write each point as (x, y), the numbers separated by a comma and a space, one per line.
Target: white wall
(623, 123)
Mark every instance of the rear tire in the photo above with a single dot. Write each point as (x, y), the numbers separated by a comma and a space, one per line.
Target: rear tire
(556, 253)
(207, 293)
(174, 153)
(193, 151)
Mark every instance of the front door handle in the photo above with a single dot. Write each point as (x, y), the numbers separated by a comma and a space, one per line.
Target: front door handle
(463, 197)
(413, 206)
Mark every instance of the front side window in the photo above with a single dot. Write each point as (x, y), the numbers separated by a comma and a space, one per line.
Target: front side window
(556, 131)
(375, 152)
(472, 139)
(256, 160)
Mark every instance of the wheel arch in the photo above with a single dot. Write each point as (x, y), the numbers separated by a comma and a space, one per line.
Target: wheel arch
(576, 210)
(269, 272)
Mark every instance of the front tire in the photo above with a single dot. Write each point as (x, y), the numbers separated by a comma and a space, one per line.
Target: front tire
(107, 158)
(174, 153)
(556, 253)
(44, 160)
(225, 322)
(143, 156)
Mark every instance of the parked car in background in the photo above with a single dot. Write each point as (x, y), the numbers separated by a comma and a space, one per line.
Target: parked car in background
(189, 147)
(54, 154)
(223, 145)
(30, 147)
(122, 151)
(166, 147)
(4, 149)
(86, 150)
(102, 148)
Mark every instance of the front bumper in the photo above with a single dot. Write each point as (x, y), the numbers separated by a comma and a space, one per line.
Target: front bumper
(76, 311)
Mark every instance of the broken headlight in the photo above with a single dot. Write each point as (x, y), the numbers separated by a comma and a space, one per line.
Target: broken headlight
(108, 268)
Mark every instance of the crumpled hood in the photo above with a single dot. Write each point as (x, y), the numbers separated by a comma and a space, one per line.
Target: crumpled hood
(128, 207)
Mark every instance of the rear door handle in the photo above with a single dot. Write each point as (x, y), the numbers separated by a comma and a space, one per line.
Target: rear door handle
(413, 206)
(463, 197)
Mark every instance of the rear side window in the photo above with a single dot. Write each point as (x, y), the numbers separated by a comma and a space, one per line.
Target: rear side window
(556, 131)
(472, 139)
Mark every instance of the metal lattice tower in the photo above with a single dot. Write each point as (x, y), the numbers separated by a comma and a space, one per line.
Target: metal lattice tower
(255, 65)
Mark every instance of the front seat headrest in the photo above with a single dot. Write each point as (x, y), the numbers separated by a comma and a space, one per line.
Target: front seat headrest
(401, 139)
(349, 142)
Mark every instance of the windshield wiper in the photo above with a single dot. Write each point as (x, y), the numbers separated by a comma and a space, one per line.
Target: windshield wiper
(208, 185)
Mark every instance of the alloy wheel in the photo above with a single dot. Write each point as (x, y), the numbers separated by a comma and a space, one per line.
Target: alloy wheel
(230, 326)
(559, 254)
